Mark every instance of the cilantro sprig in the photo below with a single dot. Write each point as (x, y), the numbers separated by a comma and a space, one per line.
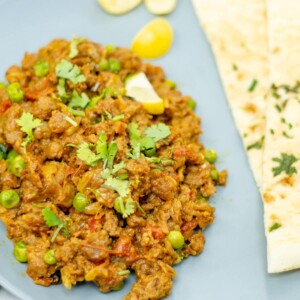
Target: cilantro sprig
(52, 220)
(79, 101)
(286, 162)
(104, 151)
(67, 70)
(27, 124)
(73, 46)
(85, 154)
(158, 132)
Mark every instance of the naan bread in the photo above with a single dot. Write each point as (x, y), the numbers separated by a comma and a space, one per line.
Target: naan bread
(237, 31)
(282, 192)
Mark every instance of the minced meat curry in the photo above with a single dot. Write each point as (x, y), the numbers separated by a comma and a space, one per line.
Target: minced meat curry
(92, 185)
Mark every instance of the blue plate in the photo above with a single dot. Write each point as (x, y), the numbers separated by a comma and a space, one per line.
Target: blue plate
(233, 264)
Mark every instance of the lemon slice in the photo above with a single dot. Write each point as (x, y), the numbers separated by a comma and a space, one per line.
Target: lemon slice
(138, 87)
(118, 7)
(153, 40)
(160, 7)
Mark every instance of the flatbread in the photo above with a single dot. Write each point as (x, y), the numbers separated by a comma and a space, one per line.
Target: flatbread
(282, 192)
(237, 31)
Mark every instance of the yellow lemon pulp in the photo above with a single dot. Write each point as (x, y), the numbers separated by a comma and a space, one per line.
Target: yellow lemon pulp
(118, 7)
(160, 7)
(139, 88)
(153, 40)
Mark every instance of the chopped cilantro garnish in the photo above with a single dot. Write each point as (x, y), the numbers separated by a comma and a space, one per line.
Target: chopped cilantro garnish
(106, 152)
(73, 46)
(274, 227)
(79, 101)
(61, 89)
(93, 102)
(77, 113)
(252, 85)
(158, 132)
(85, 154)
(118, 167)
(111, 153)
(27, 124)
(116, 118)
(52, 220)
(140, 208)
(135, 137)
(257, 145)
(285, 164)
(124, 272)
(67, 70)
(120, 186)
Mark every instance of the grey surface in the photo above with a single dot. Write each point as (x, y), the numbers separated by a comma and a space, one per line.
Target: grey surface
(233, 265)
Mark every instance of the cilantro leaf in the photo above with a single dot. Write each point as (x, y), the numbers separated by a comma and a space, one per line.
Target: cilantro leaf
(87, 155)
(106, 153)
(285, 164)
(158, 132)
(73, 46)
(118, 167)
(27, 124)
(135, 137)
(129, 208)
(118, 185)
(79, 101)
(52, 220)
(134, 132)
(61, 89)
(101, 146)
(67, 70)
(111, 153)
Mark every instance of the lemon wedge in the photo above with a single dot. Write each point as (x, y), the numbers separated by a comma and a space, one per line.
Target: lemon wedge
(138, 87)
(153, 40)
(118, 7)
(160, 7)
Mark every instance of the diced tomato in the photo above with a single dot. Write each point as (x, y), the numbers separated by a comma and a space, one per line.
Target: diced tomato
(157, 232)
(180, 152)
(122, 246)
(189, 226)
(93, 223)
(5, 105)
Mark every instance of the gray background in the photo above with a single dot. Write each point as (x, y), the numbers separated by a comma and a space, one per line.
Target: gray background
(233, 264)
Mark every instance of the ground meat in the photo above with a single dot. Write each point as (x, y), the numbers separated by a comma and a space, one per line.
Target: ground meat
(111, 207)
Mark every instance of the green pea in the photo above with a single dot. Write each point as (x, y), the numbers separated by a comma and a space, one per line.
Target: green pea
(9, 199)
(171, 84)
(191, 104)
(3, 151)
(80, 202)
(20, 251)
(103, 64)
(202, 198)
(110, 48)
(114, 65)
(2, 85)
(49, 257)
(117, 206)
(12, 155)
(118, 287)
(210, 155)
(214, 175)
(148, 146)
(15, 92)
(41, 68)
(17, 165)
(176, 239)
